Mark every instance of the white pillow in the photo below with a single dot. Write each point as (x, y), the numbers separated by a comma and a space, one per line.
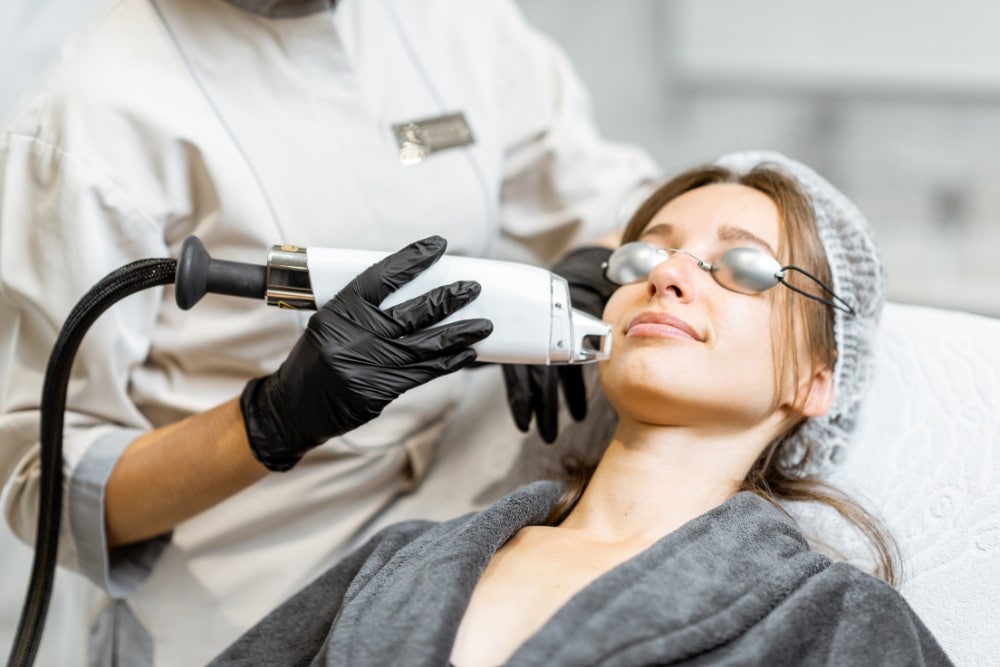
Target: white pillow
(927, 460)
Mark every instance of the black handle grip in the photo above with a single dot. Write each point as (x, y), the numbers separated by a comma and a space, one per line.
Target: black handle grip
(198, 274)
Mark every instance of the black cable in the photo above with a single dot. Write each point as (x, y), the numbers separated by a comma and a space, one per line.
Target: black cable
(114, 287)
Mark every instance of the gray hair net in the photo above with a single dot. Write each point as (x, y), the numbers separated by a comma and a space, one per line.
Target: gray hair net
(859, 278)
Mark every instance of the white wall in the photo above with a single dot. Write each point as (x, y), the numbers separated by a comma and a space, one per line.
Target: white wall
(898, 103)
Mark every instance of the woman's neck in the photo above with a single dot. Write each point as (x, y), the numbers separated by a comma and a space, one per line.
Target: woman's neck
(652, 480)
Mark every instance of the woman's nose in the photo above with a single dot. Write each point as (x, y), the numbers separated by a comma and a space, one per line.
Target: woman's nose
(676, 277)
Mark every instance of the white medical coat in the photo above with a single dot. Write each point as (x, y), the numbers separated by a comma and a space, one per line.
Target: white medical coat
(168, 118)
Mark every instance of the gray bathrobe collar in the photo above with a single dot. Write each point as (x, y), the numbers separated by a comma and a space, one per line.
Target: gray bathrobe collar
(733, 586)
(726, 570)
(281, 9)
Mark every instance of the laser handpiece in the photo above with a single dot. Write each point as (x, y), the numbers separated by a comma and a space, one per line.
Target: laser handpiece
(532, 314)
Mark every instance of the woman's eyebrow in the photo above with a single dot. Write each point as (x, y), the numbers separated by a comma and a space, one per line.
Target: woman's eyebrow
(659, 229)
(739, 234)
(726, 233)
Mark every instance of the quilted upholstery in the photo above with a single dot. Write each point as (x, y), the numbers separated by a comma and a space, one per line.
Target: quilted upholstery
(928, 460)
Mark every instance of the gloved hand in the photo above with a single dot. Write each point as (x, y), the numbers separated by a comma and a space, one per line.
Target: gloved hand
(354, 358)
(533, 389)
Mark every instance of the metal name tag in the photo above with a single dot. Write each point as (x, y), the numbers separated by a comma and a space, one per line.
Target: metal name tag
(419, 138)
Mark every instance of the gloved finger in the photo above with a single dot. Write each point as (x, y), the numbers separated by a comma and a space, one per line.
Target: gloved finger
(444, 340)
(407, 377)
(518, 395)
(575, 390)
(433, 306)
(384, 277)
(331, 317)
(545, 401)
(582, 268)
(383, 384)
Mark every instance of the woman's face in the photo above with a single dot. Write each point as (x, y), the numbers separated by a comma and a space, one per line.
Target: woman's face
(686, 350)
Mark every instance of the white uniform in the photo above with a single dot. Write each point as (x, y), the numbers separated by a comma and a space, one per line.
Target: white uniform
(174, 117)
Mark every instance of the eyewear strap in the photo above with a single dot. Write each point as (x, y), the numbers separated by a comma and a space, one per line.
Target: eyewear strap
(834, 301)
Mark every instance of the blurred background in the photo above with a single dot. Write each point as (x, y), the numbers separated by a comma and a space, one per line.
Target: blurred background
(896, 102)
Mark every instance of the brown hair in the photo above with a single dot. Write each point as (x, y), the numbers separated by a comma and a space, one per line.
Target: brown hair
(808, 323)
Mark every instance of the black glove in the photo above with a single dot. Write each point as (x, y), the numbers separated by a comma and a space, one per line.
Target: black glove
(534, 390)
(354, 358)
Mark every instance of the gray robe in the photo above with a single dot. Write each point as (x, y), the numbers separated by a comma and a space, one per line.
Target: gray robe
(735, 586)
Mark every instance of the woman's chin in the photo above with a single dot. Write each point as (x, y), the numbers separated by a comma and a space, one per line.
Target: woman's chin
(648, 404)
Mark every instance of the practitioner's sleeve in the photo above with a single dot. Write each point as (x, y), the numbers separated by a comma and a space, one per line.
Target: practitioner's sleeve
(63, 227)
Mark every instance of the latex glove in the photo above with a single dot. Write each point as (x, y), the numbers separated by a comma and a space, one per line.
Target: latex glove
(533, 390)
(354, 358)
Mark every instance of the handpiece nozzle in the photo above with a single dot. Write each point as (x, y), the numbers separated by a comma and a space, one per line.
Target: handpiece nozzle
(591, 338)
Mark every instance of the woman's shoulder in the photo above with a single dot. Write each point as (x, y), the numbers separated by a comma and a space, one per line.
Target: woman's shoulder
(852, 580)
(861, 618)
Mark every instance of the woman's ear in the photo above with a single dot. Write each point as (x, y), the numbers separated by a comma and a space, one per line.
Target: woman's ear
(817, 392)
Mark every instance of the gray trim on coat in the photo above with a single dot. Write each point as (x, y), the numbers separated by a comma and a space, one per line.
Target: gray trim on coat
(120, 573)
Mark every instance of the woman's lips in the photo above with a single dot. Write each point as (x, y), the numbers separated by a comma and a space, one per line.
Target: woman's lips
(653, 323)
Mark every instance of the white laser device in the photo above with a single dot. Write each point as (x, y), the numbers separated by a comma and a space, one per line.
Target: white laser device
(532, 314)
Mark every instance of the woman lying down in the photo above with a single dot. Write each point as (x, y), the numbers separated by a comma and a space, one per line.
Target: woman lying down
(733, 392)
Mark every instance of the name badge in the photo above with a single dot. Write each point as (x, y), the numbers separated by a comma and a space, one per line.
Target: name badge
(419, 138)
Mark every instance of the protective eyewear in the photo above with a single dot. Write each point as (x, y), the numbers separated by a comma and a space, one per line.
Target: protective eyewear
(743, 270)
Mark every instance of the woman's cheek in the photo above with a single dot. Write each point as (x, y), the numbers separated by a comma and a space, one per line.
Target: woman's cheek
(612, 308)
